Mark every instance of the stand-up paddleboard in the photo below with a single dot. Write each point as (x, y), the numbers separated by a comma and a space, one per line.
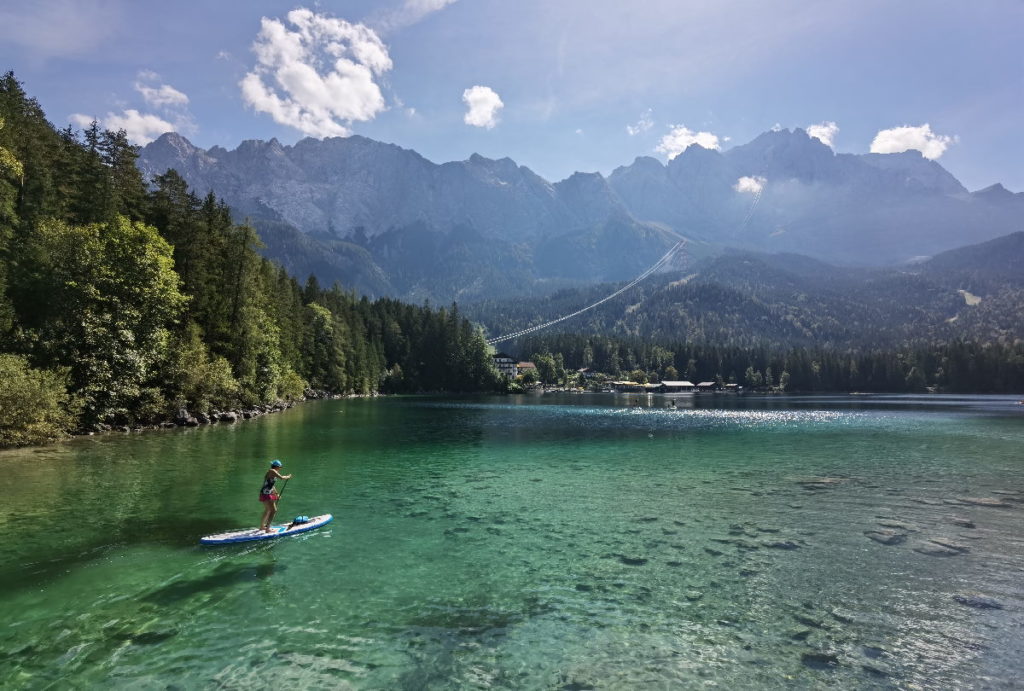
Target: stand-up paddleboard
(252, 534)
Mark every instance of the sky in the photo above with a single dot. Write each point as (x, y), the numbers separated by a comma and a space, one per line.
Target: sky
(557, 85)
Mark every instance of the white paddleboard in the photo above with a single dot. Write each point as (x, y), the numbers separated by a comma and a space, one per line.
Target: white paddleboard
(252, 534)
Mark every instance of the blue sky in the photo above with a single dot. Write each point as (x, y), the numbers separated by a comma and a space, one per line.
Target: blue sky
(558, 86)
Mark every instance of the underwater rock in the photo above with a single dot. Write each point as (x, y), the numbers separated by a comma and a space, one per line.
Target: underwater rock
(941, 548)
(986, 501)
(781, 544)
(878, 669)
(632, 561)
(898, 525)
(817, 483)
(693, 595)
(873, 651)
(820, 660)
(962, 522)
(978, 601)
(886, 537)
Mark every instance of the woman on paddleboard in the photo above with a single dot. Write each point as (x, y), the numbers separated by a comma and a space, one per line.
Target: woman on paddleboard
(269, 495)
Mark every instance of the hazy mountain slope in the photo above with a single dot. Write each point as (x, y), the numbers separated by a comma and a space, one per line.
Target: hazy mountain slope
(870, 210)
(784, 299)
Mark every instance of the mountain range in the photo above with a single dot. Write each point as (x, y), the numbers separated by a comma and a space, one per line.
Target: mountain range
(384, 220)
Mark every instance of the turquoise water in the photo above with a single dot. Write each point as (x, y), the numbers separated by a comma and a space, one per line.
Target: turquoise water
(562, 542)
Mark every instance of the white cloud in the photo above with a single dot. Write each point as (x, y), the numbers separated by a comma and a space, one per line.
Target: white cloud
(483, 104)
(824, 131)
(680, 137)
(579, 132)
(921, 138)
(80, 120)
(161, 96)
(642, 125)
(223, 55)
(142, 128)
(411, 12)
(750, 185)
(288, 84)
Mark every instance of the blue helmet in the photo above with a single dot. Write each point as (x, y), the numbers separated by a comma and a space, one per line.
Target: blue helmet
(275, 463)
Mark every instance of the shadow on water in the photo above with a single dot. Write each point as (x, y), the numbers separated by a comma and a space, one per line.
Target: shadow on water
(224, 576)
(47, 567)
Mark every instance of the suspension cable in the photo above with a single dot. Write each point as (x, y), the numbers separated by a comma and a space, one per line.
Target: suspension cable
(654, 267)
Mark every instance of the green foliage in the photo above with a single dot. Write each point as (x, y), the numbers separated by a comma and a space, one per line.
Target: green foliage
(34, 404)
(291, 386)
(110, 296)
(198, 380)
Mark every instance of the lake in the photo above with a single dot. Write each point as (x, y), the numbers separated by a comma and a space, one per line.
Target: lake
(550, 542)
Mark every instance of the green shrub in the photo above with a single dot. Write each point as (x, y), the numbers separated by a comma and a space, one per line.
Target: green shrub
(34, 404)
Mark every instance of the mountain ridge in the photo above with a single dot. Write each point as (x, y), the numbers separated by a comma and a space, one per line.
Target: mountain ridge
(799, 195)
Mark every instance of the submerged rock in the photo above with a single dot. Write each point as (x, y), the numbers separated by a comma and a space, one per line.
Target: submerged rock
(820, 483)
(898, 525)
(781, 544)
(820, 660)
(939, 547)
(978, 601)
(962, 522)
(886, 537)
(632, 561)
(986, 501)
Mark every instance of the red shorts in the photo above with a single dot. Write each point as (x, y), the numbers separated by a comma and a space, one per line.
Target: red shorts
(269, 497)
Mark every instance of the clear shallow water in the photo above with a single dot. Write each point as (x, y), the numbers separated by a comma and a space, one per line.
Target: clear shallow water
(530, 542)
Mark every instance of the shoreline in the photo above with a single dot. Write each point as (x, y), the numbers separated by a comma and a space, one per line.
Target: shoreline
(229, 416)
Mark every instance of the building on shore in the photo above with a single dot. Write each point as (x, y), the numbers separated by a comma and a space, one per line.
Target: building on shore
(677, 387)
(524, 367)
(505, 364)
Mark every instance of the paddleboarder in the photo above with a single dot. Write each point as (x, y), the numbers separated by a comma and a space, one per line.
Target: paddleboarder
(269, 495)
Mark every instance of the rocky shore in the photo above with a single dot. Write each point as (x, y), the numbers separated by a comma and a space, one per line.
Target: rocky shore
(186, 418)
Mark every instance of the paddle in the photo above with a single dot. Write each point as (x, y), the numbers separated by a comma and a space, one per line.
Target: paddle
(281, 494)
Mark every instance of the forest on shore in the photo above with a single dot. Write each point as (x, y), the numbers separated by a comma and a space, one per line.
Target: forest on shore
(123, 300)
(954, 367)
